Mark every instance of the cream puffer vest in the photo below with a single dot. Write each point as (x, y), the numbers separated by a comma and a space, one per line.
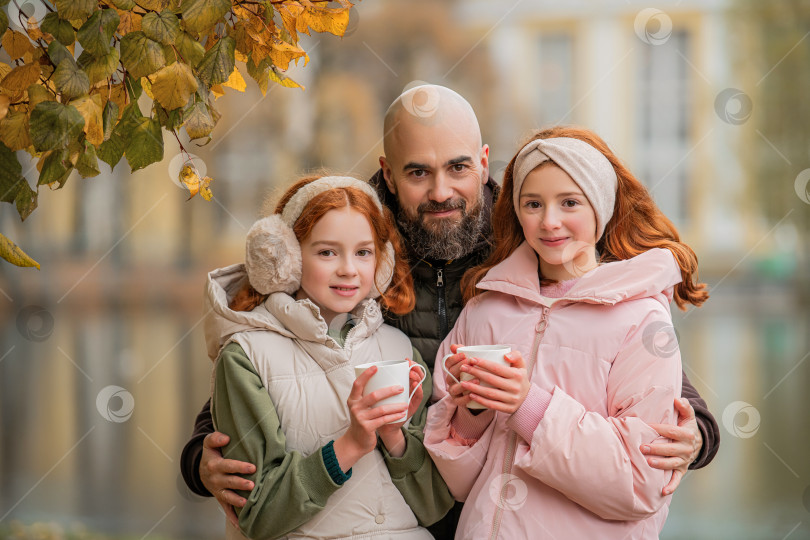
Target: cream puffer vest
(309, 376)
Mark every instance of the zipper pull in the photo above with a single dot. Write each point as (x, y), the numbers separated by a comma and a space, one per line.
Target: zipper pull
(440, 277)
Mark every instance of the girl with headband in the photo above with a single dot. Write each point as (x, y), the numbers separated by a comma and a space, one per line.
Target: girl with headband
(285, 331)
(580, 280)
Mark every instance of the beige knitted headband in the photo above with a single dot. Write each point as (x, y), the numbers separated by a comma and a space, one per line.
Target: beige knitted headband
(586, 165)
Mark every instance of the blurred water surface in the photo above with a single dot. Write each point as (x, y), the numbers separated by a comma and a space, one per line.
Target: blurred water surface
(76, 449)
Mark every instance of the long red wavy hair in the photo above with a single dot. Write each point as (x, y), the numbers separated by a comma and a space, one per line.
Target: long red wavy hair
(399, 298)
(637, 225)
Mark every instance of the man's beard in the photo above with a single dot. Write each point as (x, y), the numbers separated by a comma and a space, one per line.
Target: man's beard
(443, 239)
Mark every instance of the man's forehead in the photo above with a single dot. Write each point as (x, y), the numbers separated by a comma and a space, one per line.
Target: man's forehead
(437, 144)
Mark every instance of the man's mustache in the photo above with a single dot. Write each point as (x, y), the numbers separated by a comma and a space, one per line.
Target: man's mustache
(450, 204)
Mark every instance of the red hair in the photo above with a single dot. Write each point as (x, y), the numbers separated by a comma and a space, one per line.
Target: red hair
(399, 298)
(637, 225)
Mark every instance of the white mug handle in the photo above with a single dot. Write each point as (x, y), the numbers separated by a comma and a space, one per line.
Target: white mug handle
(447, 371)
(424, 376)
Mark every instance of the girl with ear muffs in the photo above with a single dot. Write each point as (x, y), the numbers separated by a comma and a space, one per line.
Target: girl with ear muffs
(285, 331)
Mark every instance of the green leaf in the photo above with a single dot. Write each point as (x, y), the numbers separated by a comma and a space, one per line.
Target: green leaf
(145, 144)
(101, 67)
(140, 55)
(58, 52)
(198, 121)
(10, 174)
(3, 22)
(134, 87)
(162, 27)
(56, 168)
(97, 32)
(189, 48)
(112, 150)
(124, 4)
(54, 125)
(37, 94)
(59, 28)
(13, 254)
(200, 15)
(88, 162)
(70, 80)
(26, 200)
(75, 9)
(108, 118)
(218, 63)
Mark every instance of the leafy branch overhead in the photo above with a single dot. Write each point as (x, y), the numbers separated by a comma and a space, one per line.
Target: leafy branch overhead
(73, 76)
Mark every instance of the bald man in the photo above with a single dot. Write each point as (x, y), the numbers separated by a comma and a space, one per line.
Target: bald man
(435, 179)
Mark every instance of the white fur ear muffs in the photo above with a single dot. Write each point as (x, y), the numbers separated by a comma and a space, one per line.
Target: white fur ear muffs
(273, 254)
(273, 257)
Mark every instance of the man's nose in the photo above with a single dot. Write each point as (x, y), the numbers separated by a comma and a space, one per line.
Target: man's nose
(442, 188)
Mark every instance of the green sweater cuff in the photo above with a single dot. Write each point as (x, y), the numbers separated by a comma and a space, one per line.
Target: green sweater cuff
(332, 466)
(409, 462)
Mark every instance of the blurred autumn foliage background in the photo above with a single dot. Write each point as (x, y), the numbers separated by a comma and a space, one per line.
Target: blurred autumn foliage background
(102, 363)
(68, 111)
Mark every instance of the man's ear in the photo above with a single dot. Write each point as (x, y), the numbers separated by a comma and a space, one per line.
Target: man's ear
(485, 163)
(387, 174)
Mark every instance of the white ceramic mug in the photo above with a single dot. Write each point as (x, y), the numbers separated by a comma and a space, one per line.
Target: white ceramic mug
(492, 353)
(391, 373)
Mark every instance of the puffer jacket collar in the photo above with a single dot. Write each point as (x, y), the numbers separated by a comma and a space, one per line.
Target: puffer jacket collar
(645, 275)
(280, 313)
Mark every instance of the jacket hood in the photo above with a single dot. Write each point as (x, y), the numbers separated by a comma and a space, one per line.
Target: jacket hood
(651, 273)
(491, 191)
(280, 313)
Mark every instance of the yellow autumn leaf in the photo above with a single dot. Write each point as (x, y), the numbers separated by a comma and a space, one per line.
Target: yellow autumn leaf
(16, 44)
(240, 57)
(13, 254)
(332, 20)
(282, 53)
(5, 69)
(191, 179)
(236, 81)
(20, 78)
(146, 84)
(218, 91)
(14, 131)
(90, 108)
(282, 80)
(173, 85)
(4, 101)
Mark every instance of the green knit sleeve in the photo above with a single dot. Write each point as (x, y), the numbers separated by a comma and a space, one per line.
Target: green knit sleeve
(289, 488)
(414, 474)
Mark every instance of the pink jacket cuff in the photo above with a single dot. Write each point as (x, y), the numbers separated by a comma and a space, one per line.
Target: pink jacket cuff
(466, 427)
(525, 420)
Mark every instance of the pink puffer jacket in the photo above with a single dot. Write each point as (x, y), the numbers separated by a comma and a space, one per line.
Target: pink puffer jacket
(599, 374)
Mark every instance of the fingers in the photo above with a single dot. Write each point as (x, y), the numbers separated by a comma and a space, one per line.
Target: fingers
(360, 383)
(455, 347)
(515, 359)
(371, 398)
(231, 466)
(681, 435)
(215, 440)
(494, 394)
(491, 404)
(685, 410)
(506, 372)
(229, 498)
(673, 483)
(667, 464)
